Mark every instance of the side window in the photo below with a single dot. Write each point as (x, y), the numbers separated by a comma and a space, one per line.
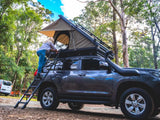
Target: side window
(92, 64)
(71, 65)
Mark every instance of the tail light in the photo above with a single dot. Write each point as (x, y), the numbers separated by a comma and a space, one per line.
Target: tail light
(0, 85)
(35, 73)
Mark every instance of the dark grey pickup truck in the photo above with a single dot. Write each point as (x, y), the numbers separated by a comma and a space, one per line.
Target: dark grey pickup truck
(94, 80)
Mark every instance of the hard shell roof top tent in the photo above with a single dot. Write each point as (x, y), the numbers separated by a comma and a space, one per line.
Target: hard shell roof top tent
(73, 37)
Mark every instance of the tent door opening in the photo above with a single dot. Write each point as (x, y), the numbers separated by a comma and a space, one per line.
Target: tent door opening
(62, 40)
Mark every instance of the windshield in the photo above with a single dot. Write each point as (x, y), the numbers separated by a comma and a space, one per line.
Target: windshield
(8, 83)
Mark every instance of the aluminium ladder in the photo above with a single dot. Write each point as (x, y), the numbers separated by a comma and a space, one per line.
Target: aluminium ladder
(35, 85)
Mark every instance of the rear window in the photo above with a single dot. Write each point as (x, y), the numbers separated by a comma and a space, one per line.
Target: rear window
(90, 64)
(8, 83)
(93, 64)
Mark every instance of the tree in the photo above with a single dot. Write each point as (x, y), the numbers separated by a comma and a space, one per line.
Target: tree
(100, 19)
(20, 21)
(151, 15)
(141, 50)
(127, 9)
(115, 47)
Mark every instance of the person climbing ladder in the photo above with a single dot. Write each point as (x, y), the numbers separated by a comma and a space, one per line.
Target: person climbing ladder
(46, 47)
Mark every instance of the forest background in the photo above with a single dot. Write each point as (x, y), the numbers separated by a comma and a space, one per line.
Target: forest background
(129, 27)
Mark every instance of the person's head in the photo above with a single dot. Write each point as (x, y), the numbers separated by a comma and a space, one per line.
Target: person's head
(51, 39)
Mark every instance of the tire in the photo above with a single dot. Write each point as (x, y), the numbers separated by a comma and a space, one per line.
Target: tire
(136, 103)
(48, 99)
(75, 106)
(6, 94)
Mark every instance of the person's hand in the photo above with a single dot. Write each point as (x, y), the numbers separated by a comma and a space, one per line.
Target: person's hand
(56, 51)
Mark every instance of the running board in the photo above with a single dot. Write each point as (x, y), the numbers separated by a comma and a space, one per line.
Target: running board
(85, 101)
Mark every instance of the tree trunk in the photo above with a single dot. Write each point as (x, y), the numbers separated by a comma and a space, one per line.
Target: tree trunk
(154, 49)
(15, 74)
(21, 87)
(124, 37)
(14, 80)
(115, 48)
(123, 30)
(125, 47)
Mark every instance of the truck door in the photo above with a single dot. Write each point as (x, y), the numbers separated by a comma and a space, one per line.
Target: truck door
(70, 80)
(96, 78)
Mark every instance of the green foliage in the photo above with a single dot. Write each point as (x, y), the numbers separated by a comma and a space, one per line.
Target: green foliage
(19, 24)
(97, 17)
(140, 58)
(140, 52)
(133, 7)
(151, 16)
(94, 14)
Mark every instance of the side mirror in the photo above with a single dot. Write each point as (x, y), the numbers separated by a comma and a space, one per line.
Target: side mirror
(103, 65)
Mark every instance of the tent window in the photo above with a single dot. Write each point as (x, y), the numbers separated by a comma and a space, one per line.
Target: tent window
(62, 41)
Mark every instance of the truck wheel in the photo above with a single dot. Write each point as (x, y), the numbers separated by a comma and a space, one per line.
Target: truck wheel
(48, 99)
(75, 106)
(136, 103)
(6, 94)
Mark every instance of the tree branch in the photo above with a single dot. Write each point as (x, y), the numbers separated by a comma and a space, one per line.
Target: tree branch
(155, 21)
(89, 1)
(115, 9)
(158, 43)
(83, 1)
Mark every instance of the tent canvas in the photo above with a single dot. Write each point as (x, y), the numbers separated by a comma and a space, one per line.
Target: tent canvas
(76, 39)
(70, 36)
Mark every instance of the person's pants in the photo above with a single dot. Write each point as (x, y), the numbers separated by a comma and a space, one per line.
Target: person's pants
(42, 59)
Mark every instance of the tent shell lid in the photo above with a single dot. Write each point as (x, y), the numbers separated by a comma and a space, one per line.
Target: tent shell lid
(79, 30)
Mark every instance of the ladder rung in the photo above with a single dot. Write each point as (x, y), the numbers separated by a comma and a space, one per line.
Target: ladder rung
(23, 102)
(48, 71)
(27, 94)
(37, 79)
(33, 86)
(45, 72)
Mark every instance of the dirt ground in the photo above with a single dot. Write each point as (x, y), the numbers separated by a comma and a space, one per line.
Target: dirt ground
(34, 112)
